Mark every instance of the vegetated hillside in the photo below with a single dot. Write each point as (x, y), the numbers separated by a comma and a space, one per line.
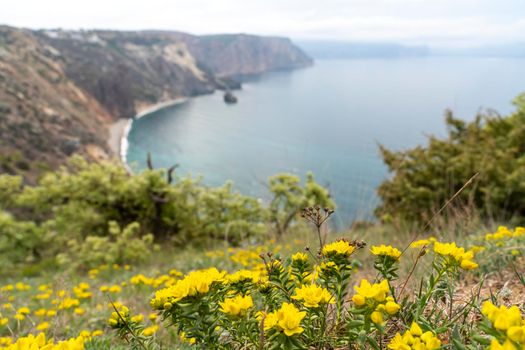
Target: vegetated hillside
(44, 116)
(60, 89)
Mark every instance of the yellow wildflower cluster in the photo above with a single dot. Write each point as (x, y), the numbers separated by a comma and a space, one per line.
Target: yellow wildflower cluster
(82, 291)
(39, 342)
(508, 323)
(237, 306)
(416, 339)
(504, 232)
(341, 248)
(384, 250)
(119, 318)
(245, 276)
(423, 242)
(287, 319)
(155, 282)
(196, 282)
(313, 295)
(149, 331)
(456, 255)
(249, 257)
(300, 257)
(374, 298)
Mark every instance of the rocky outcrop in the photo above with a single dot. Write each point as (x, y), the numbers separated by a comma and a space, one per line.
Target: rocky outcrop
(60, 90)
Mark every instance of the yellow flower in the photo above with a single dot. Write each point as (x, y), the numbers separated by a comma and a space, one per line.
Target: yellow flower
(516, 333)
(97, 333)
(115, 289)
(196, 282)
(137, 318)
(415, 339)
(468, 265)
(42, 326)
(39, 342)
(456, 255)
(507, 345)
(149, 331)
(359, 300)
(313, 295)
(502, 318)
(183, 338)
(237, 306)
(384, 250)
(300, 257)
(376, 317)
(118, 319)
(415, 329)
(338, 248)
(377, 291)
(51, 313)
(288, 319)
(79, 311)
(420, 243)
(392, 307)
(243, 276)
(24, 311)
(3, 321)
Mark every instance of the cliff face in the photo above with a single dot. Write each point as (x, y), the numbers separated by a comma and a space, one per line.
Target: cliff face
(240, 55)
(44, 116)
(60, 90)
(124, 70)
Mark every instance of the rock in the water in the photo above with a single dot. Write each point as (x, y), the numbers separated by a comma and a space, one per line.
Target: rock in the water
(229, 97)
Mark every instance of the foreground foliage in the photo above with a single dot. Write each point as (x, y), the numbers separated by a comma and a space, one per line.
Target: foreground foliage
(304, 301)
(434, 295)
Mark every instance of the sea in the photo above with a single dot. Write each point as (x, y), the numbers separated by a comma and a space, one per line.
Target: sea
(328, 119)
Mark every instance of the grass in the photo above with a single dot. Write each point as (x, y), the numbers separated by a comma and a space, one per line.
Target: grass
(83, 301)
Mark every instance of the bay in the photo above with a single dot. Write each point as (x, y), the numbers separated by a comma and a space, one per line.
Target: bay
(328, 119)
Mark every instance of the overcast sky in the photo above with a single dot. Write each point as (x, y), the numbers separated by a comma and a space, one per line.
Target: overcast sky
(435, 22)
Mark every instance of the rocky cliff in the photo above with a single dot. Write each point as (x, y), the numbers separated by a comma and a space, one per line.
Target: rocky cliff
(44, 116)
(60, 90)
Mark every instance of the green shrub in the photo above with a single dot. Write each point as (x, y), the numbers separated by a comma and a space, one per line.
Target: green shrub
(20, 242)
(289, 198)
(424, 178)
(120, 246)
(78, 208)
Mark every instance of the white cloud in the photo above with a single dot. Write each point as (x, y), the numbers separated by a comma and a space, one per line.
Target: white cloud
(438, 22)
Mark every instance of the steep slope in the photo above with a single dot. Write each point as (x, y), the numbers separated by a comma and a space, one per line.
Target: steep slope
(44, 116)
(235, 55)
(124, 70)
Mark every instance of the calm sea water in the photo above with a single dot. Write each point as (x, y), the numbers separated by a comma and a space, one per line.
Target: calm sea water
(328, 119)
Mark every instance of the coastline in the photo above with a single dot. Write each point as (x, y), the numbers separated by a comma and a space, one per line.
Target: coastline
(119, 130)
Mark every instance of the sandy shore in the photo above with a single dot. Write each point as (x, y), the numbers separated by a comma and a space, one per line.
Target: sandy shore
(119, 130)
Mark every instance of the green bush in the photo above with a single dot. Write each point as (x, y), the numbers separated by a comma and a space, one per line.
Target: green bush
(120, 246)
(79, 209)
(424, 178)
(20, 242)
